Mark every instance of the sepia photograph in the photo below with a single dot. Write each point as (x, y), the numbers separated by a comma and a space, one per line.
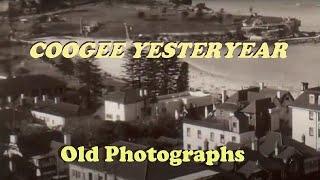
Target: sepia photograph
(159, 89)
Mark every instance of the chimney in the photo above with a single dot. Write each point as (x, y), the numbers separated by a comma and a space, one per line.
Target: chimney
(305, 86)
(44, 97)
(276, 149)
(206, 112)
(13, 139)
(257, 163)
(254, 144)
(56, 100)
(35, 100)
(176, 114)
(261, 85)
(67, 139)
(9, 99)
(278, 94)
(223, 96)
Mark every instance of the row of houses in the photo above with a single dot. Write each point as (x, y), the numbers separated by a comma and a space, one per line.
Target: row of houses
(280, 134)
(133, 104)
(247, 114)
(253, 112)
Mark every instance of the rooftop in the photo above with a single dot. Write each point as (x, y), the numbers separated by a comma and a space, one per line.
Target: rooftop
(209, 124)
(303, 100)
(59, 109)
(143, 170)
(22, 84)
(128, 96)
(246, 99)
(183, 95)
(250, 168)
(222, 124)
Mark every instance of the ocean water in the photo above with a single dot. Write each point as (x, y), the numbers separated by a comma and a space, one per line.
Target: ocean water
(308, 11)
(303, 62)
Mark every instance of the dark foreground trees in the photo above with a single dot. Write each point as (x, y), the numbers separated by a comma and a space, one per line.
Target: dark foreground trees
(159, 76)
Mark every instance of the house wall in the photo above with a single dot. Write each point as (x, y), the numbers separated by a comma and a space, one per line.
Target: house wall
(301, 124)
(176, 104)
(123, 112)
(46, 164)
(50, 120)
(81, 173)
(196, 142)
(4, 6)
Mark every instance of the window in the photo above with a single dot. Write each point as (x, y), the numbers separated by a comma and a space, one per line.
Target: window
(212, 136)
(188, 132)
(311, 133)
(234, 139)
(118, 105)
(199, 147)
(75, 174)
(188, 146)
(199, 134)
(318, 99)
(319, 116)
(100, 177)
(312, 99)
(109, 116)
(234, 124)
(118, 117)
(90, 176)
(311, 115)
(222, 138)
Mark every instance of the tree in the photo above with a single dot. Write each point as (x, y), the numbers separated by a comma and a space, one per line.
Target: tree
(132, 68)
(66, 66)
(89, 74)
(158, 76)
(183, 79)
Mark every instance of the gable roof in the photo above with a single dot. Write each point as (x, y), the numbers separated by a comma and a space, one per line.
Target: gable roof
(222, 124)
(128, 96)
(59, 109)
(246, 99)
(288, 152)
(252, 107)
(22, 84)
(270, 141)
(303, 100)
(250, 168)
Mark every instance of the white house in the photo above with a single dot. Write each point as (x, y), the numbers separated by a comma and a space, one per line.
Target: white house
(53, 112)
(306, 118)
(124, 105)
(211, 133)
(4, 6)
(174, 104)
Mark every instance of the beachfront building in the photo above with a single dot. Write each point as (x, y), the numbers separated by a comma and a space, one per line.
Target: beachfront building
(212, 133)
(266, 108)
(137, 170)
(53, 112)
(30, 85)
(126, 105)
(306, 118)
(176, 104)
